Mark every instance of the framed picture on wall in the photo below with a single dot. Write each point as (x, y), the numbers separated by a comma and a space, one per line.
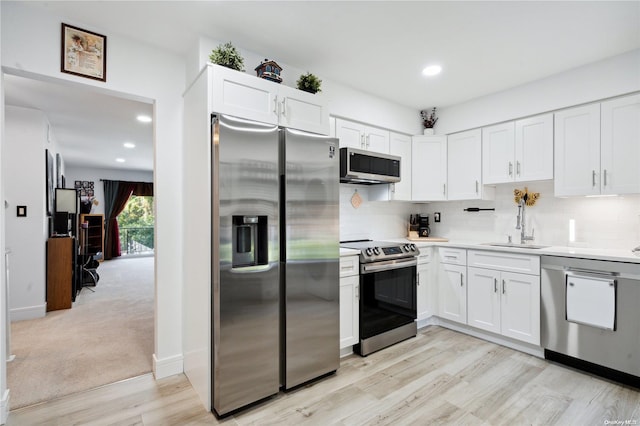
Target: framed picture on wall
(59, 183)
(84, 53)
(49, 190)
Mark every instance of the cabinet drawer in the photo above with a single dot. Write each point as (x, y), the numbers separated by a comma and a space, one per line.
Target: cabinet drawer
(511, 262)
(453, 256)
(425, 255)
(349, 265)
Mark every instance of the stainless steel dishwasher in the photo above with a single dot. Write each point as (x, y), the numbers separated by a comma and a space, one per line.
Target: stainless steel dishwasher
(590, 315)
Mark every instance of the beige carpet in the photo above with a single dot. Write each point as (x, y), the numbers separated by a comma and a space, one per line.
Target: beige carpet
(105, 337)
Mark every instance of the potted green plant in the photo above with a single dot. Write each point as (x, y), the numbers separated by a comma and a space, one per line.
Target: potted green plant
(228, 56)
(309, 83)
(428, 120)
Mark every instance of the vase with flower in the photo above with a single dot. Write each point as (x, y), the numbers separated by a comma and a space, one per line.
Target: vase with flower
(429, 120)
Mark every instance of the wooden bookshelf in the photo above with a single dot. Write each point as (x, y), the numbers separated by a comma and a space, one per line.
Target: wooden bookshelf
(60, 256)
(95, 233)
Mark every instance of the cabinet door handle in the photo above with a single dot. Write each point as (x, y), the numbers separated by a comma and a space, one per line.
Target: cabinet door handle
(461, 280)
(444, 189)
(518, 168)
(275, 105)
(418, 278)
(503, 286)
(284, 107)
(605, 177)
(362, 143)
(510, 169)
(368, 141)
(495, 285)
(593, 178)
(476, 187)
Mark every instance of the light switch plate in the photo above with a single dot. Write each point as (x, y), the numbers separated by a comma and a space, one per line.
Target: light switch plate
(436, 217)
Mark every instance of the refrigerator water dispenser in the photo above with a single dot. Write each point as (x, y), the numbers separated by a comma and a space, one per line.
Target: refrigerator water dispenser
(250, 246)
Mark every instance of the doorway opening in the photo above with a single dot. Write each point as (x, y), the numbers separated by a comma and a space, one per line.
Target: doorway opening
(89, 345)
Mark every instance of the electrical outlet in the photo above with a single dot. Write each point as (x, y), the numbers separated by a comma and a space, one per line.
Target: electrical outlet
(436, 217)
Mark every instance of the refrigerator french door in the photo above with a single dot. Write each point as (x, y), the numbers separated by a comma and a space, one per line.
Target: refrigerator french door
(310, 256)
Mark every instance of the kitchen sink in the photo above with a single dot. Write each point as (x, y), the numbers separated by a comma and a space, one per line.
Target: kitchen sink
(515, 245)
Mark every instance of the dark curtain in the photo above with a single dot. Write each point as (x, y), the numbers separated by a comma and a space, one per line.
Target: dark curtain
(116, 195)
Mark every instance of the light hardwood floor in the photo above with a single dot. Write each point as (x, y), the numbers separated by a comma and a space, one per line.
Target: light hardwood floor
(439, 377)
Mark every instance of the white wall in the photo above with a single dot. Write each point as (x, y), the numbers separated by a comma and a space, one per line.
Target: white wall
(610, 77)
(95, 174)
(26, 137)
(31, 37)
(606, 222)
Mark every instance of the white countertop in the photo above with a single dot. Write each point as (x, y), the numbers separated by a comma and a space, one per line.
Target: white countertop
(616, 255)
(349, 252)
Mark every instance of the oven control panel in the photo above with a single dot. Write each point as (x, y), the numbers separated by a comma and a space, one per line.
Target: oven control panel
(376, 253)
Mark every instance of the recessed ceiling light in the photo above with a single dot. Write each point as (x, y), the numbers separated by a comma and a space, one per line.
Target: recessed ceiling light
(144, 118)
(432, 70)
(120, 160)
(129, 145)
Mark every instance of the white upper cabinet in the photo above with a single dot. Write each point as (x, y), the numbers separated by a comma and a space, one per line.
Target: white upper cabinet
(498, 153)
(247, 96)
(429, 168)
(518, 151)
(620, 146)
(464, 165)
(577, 151)
(400, 145)
(361, 136)
(302, 110)
(534, 148)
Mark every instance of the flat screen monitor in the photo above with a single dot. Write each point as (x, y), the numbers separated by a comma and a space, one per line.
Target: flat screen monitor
(67, 200)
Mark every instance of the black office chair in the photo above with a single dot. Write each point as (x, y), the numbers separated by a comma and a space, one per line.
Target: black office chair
(88, 262)
(90, 276)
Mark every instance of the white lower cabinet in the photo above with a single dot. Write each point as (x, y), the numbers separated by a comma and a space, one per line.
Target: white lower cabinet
(452, 284)
(425, 291)
(349, 301)
(503, 302)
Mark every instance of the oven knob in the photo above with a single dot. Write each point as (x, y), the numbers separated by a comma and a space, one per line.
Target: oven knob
(376, 250)
(369, 251)
(412, 247)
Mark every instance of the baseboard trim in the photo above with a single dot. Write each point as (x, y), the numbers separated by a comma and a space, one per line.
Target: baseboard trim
(167, 366)
(344, 352)
(28, 312)
(4, 407)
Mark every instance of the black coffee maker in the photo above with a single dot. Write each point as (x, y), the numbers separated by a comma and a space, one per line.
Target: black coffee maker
(423, 226)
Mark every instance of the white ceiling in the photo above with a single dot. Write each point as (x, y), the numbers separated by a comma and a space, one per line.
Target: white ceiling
(90, 127)
(380, 47)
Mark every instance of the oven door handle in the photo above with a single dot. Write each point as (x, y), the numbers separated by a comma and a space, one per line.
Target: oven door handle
(370, 268)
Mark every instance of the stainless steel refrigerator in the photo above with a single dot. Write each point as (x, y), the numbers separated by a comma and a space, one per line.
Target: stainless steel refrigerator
(275, 260)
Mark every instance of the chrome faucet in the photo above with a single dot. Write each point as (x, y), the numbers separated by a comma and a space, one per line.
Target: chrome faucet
(520, 224)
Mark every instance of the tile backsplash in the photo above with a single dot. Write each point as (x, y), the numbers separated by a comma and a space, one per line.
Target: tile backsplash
(375, 220)
(601, 222)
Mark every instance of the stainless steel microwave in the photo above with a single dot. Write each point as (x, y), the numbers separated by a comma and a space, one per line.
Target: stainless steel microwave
(368, 167)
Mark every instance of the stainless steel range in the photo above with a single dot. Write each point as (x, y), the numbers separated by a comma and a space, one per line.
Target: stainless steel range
(388, 275)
